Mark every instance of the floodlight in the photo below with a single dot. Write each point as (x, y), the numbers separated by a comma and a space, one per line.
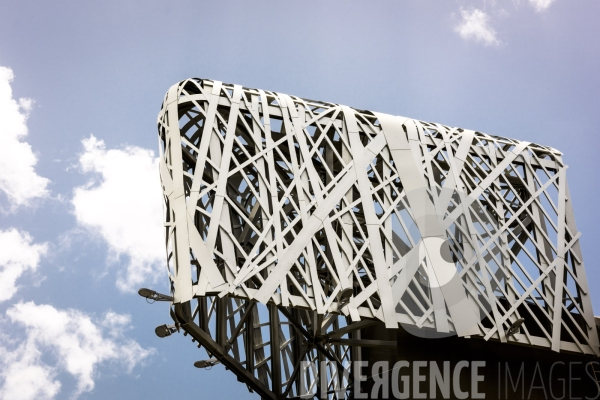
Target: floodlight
(165, 330)
(154, 295)
(206, 363)
(514, 328)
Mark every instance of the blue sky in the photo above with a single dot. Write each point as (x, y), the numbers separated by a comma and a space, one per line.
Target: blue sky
(79, 193)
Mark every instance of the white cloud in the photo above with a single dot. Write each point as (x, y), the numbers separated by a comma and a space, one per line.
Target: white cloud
(18, 254)
(25, 377)
(475, 26)
(18, 179)
(72, 340)
(541, 5)
(124, 207)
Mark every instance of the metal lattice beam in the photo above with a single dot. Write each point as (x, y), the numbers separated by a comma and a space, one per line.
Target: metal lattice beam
(338, 216)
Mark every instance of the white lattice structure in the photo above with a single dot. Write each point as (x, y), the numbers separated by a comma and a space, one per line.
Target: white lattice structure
(335, 211)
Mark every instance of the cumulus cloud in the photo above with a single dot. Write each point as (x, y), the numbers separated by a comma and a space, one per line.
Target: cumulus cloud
(72, 340)
(122, 203)
(475, 25)
(25, 377)
(541, 5)
(18, 254)
(18, 179)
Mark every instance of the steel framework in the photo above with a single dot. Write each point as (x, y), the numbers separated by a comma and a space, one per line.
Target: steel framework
(292, 224)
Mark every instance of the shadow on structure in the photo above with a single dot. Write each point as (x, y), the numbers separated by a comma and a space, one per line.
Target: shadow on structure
(461, 368)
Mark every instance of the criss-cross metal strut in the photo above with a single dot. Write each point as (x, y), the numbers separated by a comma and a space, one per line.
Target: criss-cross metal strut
(292, 223)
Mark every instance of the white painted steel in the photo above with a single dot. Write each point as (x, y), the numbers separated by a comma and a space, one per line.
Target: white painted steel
(310, 204)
